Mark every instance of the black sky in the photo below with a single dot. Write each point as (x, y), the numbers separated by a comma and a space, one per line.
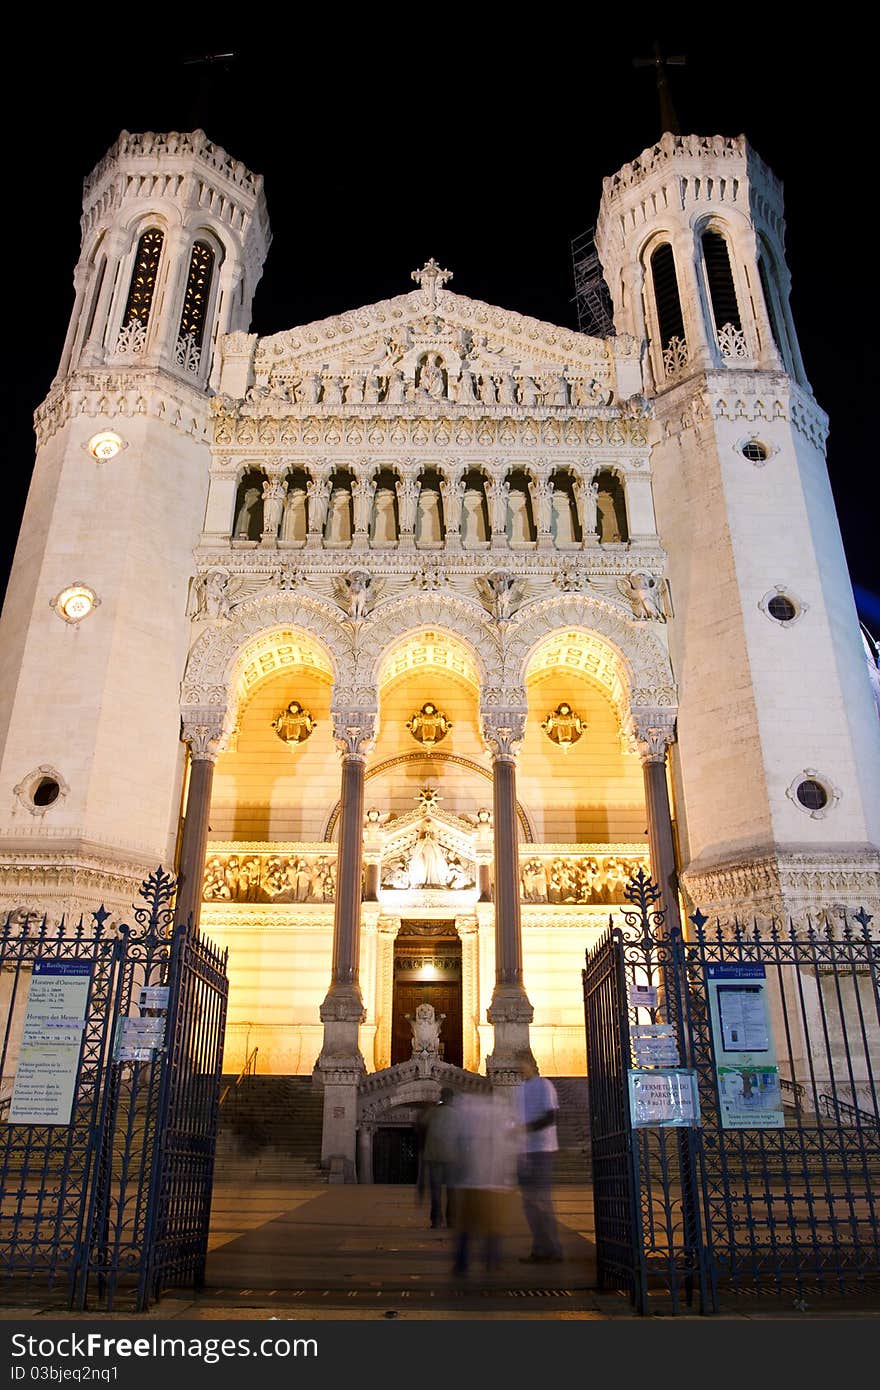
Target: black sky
(387, 142)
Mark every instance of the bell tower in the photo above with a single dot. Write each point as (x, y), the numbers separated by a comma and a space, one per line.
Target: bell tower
(93, 631)
(777, 761)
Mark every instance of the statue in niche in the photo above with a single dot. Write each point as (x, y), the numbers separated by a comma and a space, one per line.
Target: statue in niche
(317, 492)
(407, 500)
(354, 394)
(487, 389)
(556, 390)
(432, 385)
(425, 1031)
(609, 530)
(310, 389)
(396, 393)
(384, 528)
(643, 594)
(247, 513)
(274, 493)
(473, 519)
(518, 515)
(466, 393)
(589, 495)
(333, 390)
(428, 528)
(338, 529)
(293, 522)
(362, 488)
(427, 865)
(528, 391)
(542, 501)
(506, 389)
(372, 388)
(563, 527)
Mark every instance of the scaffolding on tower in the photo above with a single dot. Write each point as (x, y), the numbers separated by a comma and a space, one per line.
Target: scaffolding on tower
(591, 296)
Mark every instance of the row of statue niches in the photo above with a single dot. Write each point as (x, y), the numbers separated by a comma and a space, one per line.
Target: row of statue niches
(340, 508)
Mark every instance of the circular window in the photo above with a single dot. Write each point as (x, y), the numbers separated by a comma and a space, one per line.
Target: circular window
(75, 603)
(755, 451)
(781, 608)
(811, 794)
(46, 791)
(105, 445)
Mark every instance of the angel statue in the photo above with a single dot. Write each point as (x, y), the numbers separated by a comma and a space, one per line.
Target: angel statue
(499, 591)
(564, 726)
(355, 592)
(294, 724)
(209, 593)
(642, 593)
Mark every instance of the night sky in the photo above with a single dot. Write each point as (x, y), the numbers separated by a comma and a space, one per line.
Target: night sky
(486, 150)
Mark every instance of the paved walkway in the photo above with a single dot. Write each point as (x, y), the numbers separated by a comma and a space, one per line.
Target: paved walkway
(351, 1252)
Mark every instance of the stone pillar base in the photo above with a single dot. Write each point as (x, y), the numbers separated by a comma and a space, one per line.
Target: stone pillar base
(510, 1014)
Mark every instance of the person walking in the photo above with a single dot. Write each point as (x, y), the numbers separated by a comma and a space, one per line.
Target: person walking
(537, 1107)
(440, 1154)
(486, 1175)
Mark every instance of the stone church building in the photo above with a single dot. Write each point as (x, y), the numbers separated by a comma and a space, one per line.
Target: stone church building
(406, 636)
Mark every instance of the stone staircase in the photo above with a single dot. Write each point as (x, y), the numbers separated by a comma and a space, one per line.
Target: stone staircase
(573, 1161)
(270, 1131)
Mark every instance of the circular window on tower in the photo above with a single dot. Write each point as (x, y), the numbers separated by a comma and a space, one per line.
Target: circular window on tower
(41, 789)
(813, 793)
(106, 445)
(756, 450)
(75, 602)
(782, 606)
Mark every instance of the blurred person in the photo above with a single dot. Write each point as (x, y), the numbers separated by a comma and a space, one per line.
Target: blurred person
(439, 1155)
(485, 1176)
(537, 1107)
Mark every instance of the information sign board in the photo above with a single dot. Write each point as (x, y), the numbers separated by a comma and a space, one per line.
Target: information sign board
(745, 1054)
(667, 1098)
(51, 1040)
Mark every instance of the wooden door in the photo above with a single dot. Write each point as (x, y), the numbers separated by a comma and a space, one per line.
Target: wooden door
(445, 996)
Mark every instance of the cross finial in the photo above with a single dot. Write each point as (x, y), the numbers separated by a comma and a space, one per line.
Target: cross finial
(668, 118)
(431, 278)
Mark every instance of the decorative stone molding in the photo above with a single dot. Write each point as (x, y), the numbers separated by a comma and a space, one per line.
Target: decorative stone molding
(789, 881)
(654, 730)
(354, 731)
(128, 394)
(203, 731)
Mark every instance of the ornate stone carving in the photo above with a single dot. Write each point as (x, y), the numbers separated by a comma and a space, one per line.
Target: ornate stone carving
(354, 731)
(503, 730)
(429, 725)
(654, 731)
(642, 591)
(203, 731)
(247, 877)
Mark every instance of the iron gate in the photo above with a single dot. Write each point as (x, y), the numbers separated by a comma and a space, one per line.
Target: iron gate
(787, 1205)
(116, 1202)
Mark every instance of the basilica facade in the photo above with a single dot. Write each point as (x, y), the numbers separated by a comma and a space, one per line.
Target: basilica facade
(408, 635)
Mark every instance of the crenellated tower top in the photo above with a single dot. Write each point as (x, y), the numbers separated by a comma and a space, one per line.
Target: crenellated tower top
(691, 235)
(175, 233)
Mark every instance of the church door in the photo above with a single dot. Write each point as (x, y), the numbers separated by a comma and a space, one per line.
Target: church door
(427, 970)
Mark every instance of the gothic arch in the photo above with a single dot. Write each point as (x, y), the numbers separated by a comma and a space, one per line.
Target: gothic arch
(218, 659)
(641, 662)
(430, 610)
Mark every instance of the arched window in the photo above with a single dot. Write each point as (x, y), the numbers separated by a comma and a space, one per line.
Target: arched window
(777, 328)
(722, 295)
(668, 305)
(142, 287)
(195, 306)
(248, 521)
(611, 508)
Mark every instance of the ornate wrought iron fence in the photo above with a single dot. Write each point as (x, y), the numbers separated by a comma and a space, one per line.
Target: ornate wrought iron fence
(777, 1189)
(105, 1191)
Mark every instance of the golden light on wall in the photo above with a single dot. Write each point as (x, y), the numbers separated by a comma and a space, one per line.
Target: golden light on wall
(105, 445)
(429, 725)
(564, 726)
(294, 724)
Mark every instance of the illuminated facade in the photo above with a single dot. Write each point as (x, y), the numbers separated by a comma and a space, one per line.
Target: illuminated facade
(408, 634)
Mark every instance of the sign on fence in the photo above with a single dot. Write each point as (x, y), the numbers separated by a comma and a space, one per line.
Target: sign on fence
(48, 1062)
(745, 1054)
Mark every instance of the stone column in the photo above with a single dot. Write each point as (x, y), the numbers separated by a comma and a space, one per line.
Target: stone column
(452, 492)
(654, 732)
(340, 1065)
(98, 343)
(317, 497)
(497, 492)
(202, 732)
(364, 490)
(407, 499)
(510, 1012)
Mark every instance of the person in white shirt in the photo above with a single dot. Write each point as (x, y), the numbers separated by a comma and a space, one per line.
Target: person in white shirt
(537, 1106)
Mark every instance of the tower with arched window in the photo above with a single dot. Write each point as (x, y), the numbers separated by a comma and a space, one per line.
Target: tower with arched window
(775, 725)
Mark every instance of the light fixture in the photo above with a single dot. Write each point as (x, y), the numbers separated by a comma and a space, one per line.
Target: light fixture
(564, 726)
(105, 445)
(75, 603)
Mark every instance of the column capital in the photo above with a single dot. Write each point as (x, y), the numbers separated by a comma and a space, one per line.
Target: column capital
(654, 730)
(203, 731)
(354, 731)
(504, 722)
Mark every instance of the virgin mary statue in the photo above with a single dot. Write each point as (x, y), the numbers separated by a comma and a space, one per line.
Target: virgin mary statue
(428, 867)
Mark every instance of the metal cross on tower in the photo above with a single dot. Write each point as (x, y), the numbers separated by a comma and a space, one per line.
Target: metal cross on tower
(668, 118)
